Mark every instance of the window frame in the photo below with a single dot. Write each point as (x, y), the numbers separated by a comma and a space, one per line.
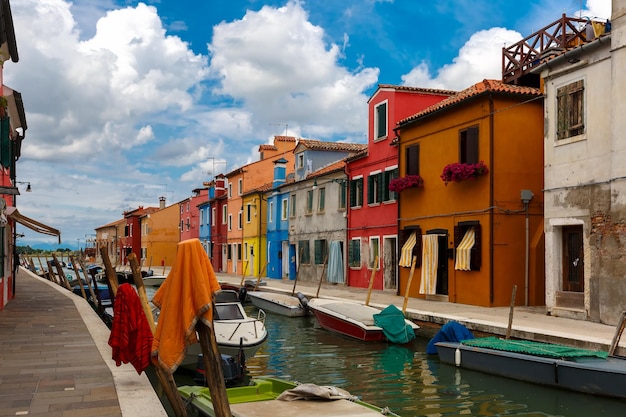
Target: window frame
(570, 110)
(354, 253)
(321, 199)
(468, 145)
(304, 252)
(381, 129)
(284, 211)
(356, 192)
(320, 251)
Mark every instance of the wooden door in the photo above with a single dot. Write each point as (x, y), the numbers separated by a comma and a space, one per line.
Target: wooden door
(573, 259)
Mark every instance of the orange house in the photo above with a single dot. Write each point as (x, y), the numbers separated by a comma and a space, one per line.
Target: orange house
(479, 233)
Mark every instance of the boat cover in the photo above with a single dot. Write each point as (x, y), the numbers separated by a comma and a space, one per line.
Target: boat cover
(452, 331)
(395, 328)
(534, 348)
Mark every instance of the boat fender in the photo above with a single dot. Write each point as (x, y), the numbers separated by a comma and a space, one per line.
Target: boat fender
(457, 357)
(304, 302)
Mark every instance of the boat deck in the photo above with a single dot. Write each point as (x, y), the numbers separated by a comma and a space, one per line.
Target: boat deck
(301, 408)
(358, 312)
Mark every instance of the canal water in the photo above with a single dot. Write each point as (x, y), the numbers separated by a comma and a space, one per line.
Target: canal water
(404, 378)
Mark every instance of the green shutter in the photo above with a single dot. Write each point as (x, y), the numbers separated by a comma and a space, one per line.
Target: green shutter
(5, 143)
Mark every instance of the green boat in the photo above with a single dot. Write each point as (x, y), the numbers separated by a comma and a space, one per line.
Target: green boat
(260, 399)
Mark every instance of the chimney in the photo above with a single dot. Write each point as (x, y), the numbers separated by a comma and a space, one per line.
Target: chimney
(280, 172)
(161, 203)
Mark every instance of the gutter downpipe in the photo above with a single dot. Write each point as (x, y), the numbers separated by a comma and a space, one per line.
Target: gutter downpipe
(491, 198)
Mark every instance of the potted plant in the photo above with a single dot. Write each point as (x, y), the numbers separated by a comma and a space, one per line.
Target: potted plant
(402, 183)
(458, 171)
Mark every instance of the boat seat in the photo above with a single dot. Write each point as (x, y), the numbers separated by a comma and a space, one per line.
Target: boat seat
(225, 296)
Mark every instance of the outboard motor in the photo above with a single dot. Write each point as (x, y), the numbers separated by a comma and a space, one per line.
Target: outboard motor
(232, 369)
(304, 302)
(243, 294)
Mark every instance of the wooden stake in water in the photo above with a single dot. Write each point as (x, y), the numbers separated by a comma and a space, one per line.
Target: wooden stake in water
(408, 285)
(508, 329)
(369, 289)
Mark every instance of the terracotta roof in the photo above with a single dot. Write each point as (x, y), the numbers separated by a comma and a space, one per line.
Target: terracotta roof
(483, 87)
(266, 147)
(336, 166)
(285, 138)
(331, 146)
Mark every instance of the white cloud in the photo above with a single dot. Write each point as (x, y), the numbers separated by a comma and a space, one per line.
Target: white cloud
(279, 65)
(480, 58)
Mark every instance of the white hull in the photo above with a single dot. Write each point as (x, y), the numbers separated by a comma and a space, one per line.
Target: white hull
(283, 304)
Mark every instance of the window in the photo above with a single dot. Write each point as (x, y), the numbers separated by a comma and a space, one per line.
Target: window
(467, 244)
(212, 216)
(201, 216)
(354, 253)
(412, 160)
(304, 251)
(374, 252)
(319, 247)
(230, 189)
(240, 186)
(570, 110)
(248, 213)
(468, 145)
(321, 199)
(230, 222)
(388, 175)
(293, 205)
(238, 251)
(283, 211)
(300, 160)
(187, 206)
(342, 195)
(229, 253)
(270, 212)
(380, 121)
(182, 225)
(309, 201)
(356, 192)
(374, 188)
(224, 213)
(245, 251)
(188, 223)
(240, 219)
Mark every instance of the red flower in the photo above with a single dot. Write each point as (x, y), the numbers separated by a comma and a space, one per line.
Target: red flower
(402, 183)
(459, 172)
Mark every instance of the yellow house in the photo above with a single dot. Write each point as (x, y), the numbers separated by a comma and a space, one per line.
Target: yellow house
(254, 232)
(160, 236)
(475, 224)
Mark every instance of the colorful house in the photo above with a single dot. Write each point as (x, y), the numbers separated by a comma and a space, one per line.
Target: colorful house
(204, 219)
(280, 262)
(160, 235)
(189, 225)
(219, 226)
(584, 188)
(474, 221)
(372, 225)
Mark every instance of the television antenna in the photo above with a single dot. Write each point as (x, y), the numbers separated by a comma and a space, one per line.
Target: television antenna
(281, 124)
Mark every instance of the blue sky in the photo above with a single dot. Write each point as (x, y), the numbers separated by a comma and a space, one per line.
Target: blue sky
(128, 101)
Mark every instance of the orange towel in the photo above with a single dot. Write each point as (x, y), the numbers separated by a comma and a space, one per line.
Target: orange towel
(184, 298)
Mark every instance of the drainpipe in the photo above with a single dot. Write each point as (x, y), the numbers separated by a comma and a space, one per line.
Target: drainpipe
(491, 198)
(526, 196)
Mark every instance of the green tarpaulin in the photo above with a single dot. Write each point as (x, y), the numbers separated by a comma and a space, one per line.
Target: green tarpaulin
(391, 320)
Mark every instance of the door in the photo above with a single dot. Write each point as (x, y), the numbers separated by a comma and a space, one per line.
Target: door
(573, 259)
(284, 260)
(224, 257)
(442, 266)
(389, 263)
(292, 262)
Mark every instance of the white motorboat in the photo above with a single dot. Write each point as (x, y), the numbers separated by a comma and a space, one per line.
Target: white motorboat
(278, 303)
(235, 331)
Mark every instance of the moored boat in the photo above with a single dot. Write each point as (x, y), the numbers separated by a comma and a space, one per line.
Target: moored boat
(270, 397)
(278, 303)
(358, 320)
(581, 370)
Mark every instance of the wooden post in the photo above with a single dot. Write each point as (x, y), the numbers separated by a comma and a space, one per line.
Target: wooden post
(293, 290)
(243, 274)
(165, 378)
(110, 272)
(62, 276)
(258, 280)
(213, 367)
(87, 279)
(618, 334)
(80, 284)
(408, 285)
(321, 277)
(508, 329)
(164, 262)
(369, 289)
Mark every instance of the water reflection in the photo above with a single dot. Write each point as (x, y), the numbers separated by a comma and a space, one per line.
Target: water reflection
(404, 378)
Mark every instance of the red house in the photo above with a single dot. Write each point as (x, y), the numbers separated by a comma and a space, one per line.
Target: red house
(373, 214)
(219, 225)
(189, 223)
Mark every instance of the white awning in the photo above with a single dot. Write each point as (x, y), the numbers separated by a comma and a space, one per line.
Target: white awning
(464, 250)
(407, 251)
(13, 214)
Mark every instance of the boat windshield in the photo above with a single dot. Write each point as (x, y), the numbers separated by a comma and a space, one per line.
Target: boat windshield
(228, 312)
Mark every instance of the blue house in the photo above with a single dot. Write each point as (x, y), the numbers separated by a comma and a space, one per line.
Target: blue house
(280, 262)
(204, 229)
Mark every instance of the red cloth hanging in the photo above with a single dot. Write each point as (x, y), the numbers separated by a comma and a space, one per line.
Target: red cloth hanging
(131, 336)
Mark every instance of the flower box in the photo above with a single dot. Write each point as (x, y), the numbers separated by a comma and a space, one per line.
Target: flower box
(402, 183)
(457, 172)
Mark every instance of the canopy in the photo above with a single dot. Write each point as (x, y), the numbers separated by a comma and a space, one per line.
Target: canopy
(13, 214)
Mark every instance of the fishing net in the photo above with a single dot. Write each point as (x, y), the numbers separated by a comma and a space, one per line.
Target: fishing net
(533, 348)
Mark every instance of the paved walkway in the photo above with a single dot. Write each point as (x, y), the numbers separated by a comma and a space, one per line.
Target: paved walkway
(528, 322)
(55, 360)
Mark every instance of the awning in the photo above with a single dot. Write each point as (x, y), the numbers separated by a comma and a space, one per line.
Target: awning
(407, 251)
(464, 250)
(430, 264)
(13, 214)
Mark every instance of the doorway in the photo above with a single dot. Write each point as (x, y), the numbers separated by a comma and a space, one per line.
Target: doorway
(390, 271)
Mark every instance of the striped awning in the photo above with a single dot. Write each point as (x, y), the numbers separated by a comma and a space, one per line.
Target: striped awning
(407, 251)
(430, 264)
(464, 249)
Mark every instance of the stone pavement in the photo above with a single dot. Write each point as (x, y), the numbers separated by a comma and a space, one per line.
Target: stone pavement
(530, 323)
(55, 360)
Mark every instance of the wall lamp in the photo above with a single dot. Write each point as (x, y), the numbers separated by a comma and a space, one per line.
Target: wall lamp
(28, 187)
